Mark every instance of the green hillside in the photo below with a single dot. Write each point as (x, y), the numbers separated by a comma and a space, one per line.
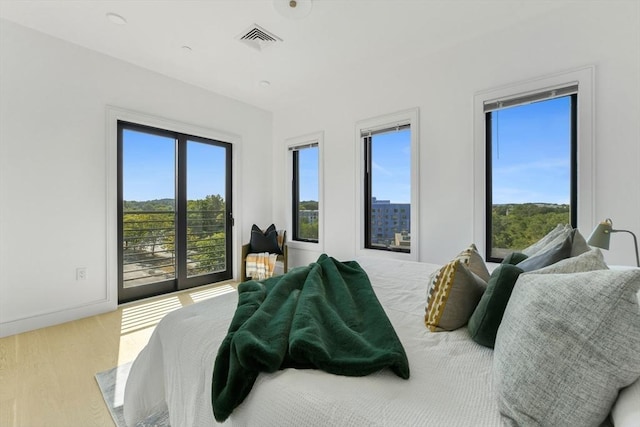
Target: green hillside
(516, 226)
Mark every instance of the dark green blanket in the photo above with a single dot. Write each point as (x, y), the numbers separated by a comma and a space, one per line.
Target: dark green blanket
(324, 316)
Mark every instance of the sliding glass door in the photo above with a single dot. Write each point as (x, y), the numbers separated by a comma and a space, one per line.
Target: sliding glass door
(174, 211)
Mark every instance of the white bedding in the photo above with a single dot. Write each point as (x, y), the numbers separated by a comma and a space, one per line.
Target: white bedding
(450, 382)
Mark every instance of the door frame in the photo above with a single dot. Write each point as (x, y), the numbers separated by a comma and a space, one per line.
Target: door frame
(115, 114)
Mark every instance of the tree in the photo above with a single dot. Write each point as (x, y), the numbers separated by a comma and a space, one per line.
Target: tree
(209, 252)
(146, 229)
(308, 205)
(516, 226)
(150, 224)
(308, 229)
(206, 216)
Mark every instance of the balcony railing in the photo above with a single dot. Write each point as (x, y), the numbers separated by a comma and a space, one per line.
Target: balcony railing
(148, 245)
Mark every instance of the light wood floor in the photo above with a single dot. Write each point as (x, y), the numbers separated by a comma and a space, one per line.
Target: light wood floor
(47, 375)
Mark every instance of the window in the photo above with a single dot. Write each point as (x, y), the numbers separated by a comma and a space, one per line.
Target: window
(305, 193)
(389, 183)
(533, 160)
(531, 168)
(305, 189)
(174, 211)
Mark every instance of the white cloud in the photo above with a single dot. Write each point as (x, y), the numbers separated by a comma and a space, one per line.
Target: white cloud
(540, 166)
(380, 169)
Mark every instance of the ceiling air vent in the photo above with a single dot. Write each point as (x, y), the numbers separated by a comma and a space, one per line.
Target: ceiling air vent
(258, 38)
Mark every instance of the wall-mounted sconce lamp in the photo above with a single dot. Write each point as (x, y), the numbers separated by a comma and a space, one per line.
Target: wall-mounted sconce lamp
(601, 236)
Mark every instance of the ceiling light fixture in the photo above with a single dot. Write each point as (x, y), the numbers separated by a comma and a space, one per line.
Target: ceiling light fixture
(116, 19)
(265, 83)
(186, 49)
(293, 9)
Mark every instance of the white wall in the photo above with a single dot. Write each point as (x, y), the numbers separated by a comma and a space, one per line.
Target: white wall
(603, 34)
(53, 99)
(53, 146)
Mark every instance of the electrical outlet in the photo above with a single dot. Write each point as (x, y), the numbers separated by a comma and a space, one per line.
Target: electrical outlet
(81, 273)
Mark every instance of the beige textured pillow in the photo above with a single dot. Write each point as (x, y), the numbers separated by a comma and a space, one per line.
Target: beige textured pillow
(474, 262)
(454, 292)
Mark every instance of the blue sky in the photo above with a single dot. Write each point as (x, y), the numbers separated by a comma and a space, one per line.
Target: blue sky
(149, 168)
(308, 166)
(531, 152)
(391, 164)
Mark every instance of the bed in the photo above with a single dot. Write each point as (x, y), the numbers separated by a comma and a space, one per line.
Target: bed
(451, 382)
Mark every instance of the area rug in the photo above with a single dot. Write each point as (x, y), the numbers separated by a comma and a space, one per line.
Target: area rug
(111, 384)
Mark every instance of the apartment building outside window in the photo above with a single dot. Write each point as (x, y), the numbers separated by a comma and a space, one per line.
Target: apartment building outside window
(306, 190)
(388, 146)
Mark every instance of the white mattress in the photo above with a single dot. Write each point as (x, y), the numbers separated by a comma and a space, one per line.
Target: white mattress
(450, 382)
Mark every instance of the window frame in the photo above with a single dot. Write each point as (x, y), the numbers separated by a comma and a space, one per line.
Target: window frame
(181, 279)
(295, 192)
(584, 147)
(363, 200)
(292, 145)
(573, 142)
(115, 114)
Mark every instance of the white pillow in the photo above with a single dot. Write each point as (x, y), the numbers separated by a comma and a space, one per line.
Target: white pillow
(626, 411)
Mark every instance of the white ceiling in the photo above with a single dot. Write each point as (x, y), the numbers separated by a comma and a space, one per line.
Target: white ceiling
(339, 39)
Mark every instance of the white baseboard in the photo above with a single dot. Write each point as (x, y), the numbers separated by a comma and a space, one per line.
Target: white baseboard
(55, 318)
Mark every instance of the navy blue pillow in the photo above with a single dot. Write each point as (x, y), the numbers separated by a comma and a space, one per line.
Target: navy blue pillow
(266, 241)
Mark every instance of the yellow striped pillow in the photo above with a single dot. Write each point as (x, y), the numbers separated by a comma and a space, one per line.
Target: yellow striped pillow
(453, 294)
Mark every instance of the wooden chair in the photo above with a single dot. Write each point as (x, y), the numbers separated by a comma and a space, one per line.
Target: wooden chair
(282, 258)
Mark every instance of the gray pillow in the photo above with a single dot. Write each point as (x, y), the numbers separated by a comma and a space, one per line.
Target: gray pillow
(561, 249)
(579, 245)
(560, 231)
(588, 261)
(566, 345)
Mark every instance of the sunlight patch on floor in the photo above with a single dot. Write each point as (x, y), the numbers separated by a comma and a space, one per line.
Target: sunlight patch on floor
(216, 291)
(139, 321)
(147, 314)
